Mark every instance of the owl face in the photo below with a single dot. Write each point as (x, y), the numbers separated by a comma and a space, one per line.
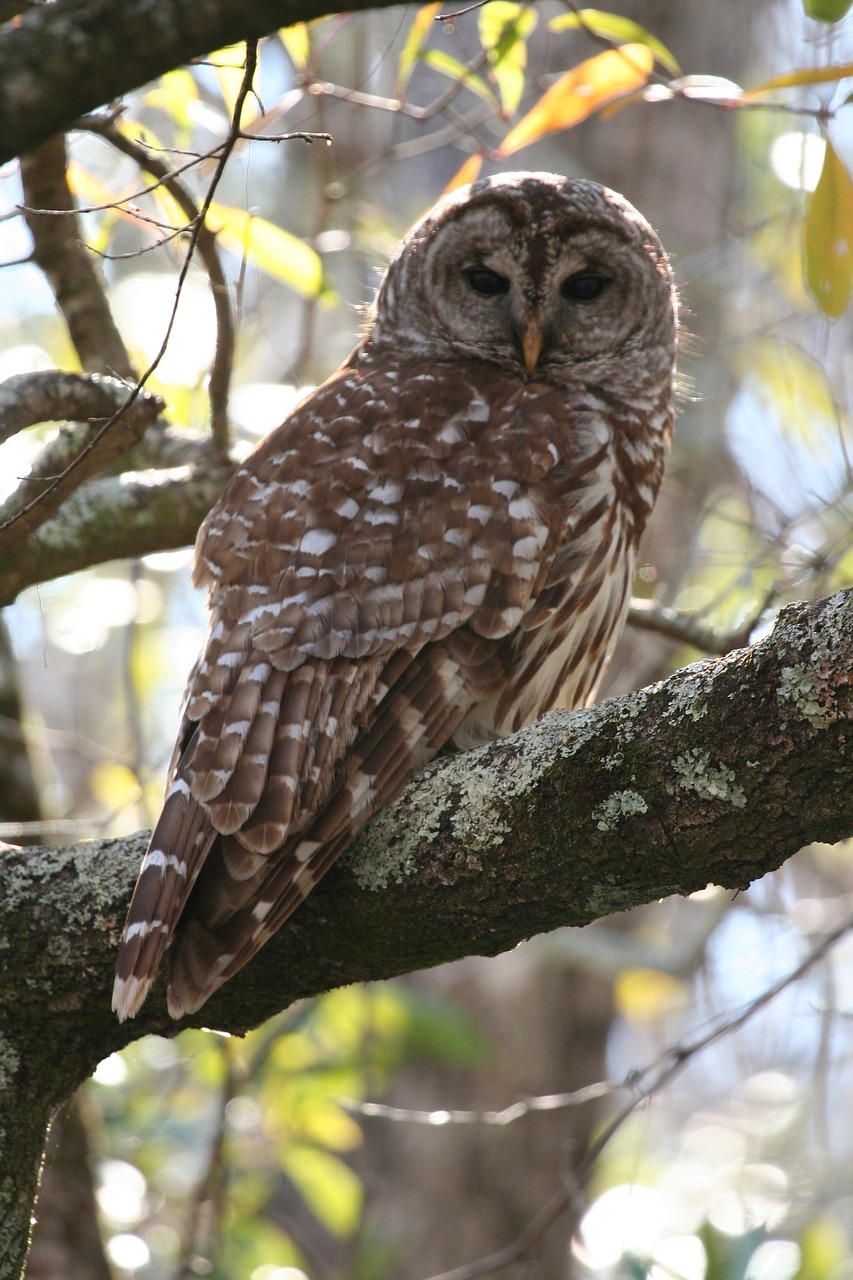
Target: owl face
(543, 273)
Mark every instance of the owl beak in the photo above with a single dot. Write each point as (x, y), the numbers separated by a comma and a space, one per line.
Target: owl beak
(531, 345)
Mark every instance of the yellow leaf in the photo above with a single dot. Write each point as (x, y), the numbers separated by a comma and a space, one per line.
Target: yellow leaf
(175, 93)
(114, 786)
(90, 189)
(581, 92)
(823, 1249)
(828, 237)
(600, 23)
(644, 994)
(331, 1189)
(417, 35)
(230, 70)
(275, 251)
(802, 75)
(469, 172)
(297, 44)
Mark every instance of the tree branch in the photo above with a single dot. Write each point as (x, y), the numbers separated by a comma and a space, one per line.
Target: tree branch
(121, 517)
(719, 773)
(61, 60)
(74, 455)
(59, 251)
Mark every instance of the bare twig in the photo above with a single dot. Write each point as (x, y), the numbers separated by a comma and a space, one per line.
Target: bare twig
(646, 615)
(508, 1115)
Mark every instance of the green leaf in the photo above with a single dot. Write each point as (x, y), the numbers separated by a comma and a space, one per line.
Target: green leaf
(826, 10)
(457, 70)
(612, 26)
(329, 1187)
(275, 251)
(504, 31)
(415, 40)
(828, 237)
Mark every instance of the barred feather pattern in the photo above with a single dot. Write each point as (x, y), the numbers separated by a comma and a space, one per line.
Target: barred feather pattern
(437, 546)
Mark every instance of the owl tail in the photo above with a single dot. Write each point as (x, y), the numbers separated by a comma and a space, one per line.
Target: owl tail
(176, 853)
(208, 951)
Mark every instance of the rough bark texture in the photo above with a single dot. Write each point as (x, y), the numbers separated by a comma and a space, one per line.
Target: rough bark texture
(717, 774)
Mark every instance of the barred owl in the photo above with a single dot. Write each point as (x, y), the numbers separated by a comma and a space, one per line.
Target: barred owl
(434, 548)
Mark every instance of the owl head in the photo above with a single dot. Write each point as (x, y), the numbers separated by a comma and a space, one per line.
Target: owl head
(552, 277)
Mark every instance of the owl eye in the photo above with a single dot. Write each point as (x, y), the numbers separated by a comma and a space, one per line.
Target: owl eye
(485, 281)
(584, 286)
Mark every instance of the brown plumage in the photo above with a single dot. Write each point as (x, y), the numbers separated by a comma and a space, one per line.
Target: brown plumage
(434, 548)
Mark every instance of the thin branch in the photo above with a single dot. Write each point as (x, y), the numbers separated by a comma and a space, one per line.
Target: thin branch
(517, 1110)
(211, 1187)
(687, 629)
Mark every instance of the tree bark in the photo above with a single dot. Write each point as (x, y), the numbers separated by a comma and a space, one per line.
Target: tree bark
(717, 774)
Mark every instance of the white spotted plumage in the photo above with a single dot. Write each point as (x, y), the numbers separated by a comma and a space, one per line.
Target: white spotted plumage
(435, 547)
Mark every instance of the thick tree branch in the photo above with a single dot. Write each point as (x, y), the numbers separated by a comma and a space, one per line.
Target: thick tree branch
(61, 60)
(57, 396)
(59, 250)
(74, 455)
(120, 517)
(169, 481)
(719, 773)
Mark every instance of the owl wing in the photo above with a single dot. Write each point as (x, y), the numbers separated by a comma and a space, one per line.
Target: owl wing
(365, 568)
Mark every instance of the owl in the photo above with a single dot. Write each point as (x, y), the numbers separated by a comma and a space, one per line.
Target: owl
(434, 548)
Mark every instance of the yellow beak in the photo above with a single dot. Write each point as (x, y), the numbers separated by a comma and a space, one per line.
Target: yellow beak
(531, 345)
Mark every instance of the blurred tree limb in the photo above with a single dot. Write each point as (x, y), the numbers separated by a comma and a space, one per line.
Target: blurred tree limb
(147, 488)
(61, 60)
(717, 774)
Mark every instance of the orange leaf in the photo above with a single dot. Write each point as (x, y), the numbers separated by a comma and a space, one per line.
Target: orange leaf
(469, 172)
(580, 92)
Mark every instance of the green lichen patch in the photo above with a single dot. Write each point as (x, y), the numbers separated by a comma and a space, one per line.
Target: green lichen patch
(618, 805)
(694, 772)
(801, 687)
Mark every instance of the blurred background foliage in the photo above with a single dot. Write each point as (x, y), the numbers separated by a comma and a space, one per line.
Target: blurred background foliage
(377, 1133)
